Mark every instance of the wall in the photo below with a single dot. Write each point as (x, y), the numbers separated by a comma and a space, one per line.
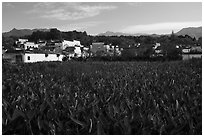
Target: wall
(22, 41)
(77, 51)
(67, 43)
(185, 50)
(30, 45)
(41, 57)
(190, 56)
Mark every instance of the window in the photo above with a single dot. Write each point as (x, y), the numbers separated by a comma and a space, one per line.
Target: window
(46, 55)
(28, 57)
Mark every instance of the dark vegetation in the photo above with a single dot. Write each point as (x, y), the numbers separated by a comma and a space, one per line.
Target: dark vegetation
(102, 98)
(86, 40)
(129, 43)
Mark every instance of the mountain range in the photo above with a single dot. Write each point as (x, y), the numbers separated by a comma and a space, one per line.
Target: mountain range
(110, 33)
(22, 32)
(191, 31)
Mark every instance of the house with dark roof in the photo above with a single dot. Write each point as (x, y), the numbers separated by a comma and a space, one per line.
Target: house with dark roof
(23, 56)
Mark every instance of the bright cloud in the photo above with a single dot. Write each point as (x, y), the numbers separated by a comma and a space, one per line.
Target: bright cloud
(68, 11)
(7, 5)
(162, 28)
(134, 4)
(82, 26)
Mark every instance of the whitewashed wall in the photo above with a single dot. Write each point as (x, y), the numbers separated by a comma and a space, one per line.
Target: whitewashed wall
(22, 41)
(30, 45)
(67, 43)
(186, 50)
(78, 51)
(41, 57)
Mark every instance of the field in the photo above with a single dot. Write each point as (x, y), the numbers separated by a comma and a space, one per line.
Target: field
(102, 98)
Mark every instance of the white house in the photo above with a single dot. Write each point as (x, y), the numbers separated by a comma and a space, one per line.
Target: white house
(39, 57)
(41, 43)
(30, 45)
(76, 45)
(156, 45)
(85, 52)
(186, 50)
(118, 51)
(17, 56)
(78, 51)
(21, 41)
(73, 43)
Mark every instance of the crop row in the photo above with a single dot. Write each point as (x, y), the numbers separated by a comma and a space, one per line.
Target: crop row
(103, 98)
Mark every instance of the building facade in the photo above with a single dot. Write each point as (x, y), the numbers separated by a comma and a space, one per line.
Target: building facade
(29, 45)
(40, 57)
(72, 48)
(30, 57)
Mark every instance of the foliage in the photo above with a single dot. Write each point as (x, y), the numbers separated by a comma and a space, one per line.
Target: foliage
(199, 42)
(8, 42)
(102, 98)
(121, 41)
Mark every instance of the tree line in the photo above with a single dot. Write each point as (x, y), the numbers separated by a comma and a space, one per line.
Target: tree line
(168, 42)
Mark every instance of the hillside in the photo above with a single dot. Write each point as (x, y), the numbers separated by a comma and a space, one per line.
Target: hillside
(21, 32)
(191, 31)
(110, 33)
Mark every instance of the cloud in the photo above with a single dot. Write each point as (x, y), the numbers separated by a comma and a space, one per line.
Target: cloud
(134, 4)
(160, 28)
(82, 26)
(8, 5)
(68, 11)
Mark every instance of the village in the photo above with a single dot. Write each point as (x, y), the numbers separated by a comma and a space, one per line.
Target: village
(102, 68)
(55, 50)
(60, 50)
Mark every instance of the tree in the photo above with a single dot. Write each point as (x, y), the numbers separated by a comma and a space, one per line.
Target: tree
(8, 43)
(170, 51)
(55, 34)
(38, 35)
(129, 53)
(199, 41)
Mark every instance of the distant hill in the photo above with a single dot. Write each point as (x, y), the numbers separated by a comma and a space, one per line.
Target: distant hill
(21, 32)
(110, 33)
(191, 31)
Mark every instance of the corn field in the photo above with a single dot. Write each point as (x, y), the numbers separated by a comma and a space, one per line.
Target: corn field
(102, 98)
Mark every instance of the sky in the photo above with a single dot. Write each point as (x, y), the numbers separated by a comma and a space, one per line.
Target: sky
(99, 17)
